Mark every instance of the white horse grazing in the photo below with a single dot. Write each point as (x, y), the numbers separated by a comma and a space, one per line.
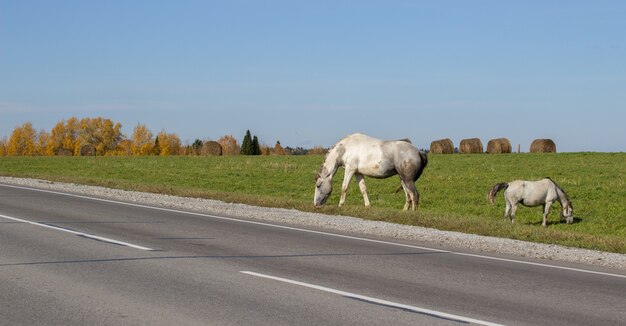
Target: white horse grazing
(361, 155)
(533, 193)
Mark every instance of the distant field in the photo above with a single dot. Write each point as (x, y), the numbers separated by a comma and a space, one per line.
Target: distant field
(452, 188)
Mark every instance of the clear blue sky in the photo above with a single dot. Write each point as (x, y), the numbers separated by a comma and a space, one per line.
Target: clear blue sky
(307, 73)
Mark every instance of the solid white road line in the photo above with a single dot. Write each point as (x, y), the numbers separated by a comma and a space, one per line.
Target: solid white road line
(425, 311)
(86, 235)
(317, 232)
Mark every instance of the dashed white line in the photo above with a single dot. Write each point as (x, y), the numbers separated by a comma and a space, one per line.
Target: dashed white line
(425, 311)
(82, 234)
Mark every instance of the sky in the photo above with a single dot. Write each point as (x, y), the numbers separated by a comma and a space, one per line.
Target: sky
(307, 73)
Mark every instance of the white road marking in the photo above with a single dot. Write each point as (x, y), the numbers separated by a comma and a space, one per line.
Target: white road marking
(430, 312)
(319, 232)
(82, 234)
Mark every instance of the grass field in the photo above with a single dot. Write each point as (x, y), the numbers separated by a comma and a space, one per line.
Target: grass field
(452, 188)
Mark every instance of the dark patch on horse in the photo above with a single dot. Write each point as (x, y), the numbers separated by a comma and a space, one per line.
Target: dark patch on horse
(407, 170)
(424, 158)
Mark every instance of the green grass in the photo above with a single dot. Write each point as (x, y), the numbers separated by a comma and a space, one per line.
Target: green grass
(452, 188)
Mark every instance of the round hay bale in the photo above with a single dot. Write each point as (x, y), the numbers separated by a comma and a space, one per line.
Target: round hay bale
(543, 146)
(471, 146)
(211, 148)
(65, 152)
(442, 146)
(499, 146)
(87, 150)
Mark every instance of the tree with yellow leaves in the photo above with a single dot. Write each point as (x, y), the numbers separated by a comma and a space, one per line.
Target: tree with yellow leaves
(63, 137)
(70, 135)
(142, 142)
(43, 139)
(3, 147)
(23, 141)
(169, 144)
(124, 148)
(229, 145)
(103, 134)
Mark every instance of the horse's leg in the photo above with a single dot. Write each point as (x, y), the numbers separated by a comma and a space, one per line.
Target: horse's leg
(546, 210)
(507, 210)
(361, 180)
(407, 198)
(416, 195)
(411, 193)
(513, 210)
(344, 187)
(416, 202)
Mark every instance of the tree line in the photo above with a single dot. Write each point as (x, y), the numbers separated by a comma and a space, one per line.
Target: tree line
(103, 137)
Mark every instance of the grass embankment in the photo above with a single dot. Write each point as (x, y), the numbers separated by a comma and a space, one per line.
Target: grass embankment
(452, 188)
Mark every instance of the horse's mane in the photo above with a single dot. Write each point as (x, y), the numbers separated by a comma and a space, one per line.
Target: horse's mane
(336, 149)
(561, 189)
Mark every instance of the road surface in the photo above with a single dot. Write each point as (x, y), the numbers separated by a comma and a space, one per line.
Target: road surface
(75, 260)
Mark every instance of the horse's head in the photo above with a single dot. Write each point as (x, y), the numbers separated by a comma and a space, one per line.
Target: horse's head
(567, 213)
(323, 188)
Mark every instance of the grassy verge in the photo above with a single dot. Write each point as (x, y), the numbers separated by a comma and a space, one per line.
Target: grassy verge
(452, 189)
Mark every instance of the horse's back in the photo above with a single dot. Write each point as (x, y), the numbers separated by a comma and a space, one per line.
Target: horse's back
(380, 158)
(367, 148)
(358, 139)
(360, 152)
(530, 193)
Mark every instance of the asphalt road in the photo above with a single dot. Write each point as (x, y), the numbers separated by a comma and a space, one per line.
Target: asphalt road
(72, 260)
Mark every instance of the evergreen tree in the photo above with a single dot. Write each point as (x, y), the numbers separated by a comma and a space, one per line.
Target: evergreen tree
(156, 150)
(256, 149)
(246, 144)
(197, 146)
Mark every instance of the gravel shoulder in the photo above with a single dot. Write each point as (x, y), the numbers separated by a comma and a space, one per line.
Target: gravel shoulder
(432, 237)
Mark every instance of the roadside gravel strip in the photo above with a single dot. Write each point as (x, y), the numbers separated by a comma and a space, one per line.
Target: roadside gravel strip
(433, 237)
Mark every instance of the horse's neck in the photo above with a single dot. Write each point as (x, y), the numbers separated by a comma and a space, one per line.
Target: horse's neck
(332, 162)
(562, 196)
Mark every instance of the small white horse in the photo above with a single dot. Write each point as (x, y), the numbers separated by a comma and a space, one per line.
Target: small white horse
(533, 193)
(361, 155)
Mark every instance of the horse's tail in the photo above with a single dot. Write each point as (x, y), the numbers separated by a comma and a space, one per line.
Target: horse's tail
(424, 158)
(491, 196)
